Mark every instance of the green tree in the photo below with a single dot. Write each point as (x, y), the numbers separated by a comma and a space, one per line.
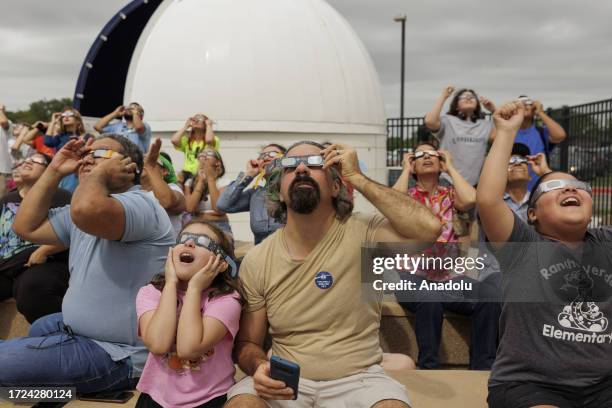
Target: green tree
(39, 110)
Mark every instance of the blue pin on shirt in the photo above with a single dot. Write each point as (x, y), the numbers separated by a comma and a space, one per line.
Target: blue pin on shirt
(324, 280)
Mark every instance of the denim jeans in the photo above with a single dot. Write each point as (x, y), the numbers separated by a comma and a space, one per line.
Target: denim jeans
(429, 309)
(54, 356)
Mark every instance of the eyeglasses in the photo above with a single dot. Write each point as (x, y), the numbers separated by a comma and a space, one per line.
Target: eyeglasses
(269, 155)
(204, 241)
(526, 101)
(17, 164)
(68, 114)
(467, 97)
(208, 153)
(551, 185)
(431, 153)
(37, 160)
(198, 119)
(516, 160)
(102, 153)
(293, 162)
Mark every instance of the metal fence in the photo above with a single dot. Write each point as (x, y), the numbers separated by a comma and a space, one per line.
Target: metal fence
(586, 153)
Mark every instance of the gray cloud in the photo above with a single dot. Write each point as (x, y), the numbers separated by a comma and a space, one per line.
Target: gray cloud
(557, 51)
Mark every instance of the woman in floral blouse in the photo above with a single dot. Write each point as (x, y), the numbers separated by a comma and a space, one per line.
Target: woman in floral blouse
(447, 202)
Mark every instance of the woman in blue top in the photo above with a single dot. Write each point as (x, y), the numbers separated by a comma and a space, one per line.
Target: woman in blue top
(64, 126)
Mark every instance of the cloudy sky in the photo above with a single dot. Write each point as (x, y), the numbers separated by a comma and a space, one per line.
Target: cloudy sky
(559, 51)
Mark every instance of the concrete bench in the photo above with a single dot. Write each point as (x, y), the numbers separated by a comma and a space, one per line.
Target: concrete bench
(397, 335)
(12, 323)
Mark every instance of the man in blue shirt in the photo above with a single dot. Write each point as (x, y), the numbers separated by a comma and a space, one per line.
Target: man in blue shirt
(130, 125)
(119, 237)
(538, 139)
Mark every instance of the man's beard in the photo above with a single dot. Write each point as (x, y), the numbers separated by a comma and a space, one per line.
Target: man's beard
(304, 200)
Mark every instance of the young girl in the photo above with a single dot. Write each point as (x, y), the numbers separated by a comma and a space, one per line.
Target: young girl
(463, 131)
(191, 139)
(188, 319)
(202, 192)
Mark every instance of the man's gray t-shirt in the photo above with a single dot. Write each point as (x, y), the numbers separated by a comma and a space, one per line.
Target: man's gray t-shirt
(467, 142)
(105, 276)
(555, 326)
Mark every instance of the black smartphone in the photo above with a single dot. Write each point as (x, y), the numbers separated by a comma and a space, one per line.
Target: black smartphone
(118, 397)
(287, 372)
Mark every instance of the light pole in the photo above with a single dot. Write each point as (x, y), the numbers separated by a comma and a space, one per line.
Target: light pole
(402, 19)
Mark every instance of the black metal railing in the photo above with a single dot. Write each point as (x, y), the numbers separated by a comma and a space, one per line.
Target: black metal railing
(586, 153)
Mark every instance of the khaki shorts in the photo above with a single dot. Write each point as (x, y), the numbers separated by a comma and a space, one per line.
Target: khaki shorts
(361, 390)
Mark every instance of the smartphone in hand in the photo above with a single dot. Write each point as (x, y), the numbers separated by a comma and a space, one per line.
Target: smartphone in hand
(287, 372)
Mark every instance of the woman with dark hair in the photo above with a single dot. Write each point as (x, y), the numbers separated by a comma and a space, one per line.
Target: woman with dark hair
(202, 192)
(463, 131)
(196, 135)
(555, 340)
(188, 318)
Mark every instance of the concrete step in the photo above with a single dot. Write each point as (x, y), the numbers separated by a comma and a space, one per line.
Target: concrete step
(397, 335)
(426, 388)
(12, 323)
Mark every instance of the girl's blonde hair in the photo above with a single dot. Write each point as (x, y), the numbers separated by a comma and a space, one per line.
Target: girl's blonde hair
(80, 126)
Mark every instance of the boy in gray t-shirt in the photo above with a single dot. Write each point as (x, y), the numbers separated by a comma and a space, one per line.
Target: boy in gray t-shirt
(555, 328)
(118, 237)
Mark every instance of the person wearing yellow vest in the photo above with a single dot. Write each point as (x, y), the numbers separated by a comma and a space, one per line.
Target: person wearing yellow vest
(191, 139)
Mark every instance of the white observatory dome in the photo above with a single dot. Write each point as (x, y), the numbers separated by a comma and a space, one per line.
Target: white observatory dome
(255, 66)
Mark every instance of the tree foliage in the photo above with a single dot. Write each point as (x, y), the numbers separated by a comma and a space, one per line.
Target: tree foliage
(39, 110)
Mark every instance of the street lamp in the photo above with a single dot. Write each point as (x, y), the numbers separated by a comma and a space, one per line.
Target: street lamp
(402, 19)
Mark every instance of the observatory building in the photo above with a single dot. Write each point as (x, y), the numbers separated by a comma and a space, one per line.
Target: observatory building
(265, 71)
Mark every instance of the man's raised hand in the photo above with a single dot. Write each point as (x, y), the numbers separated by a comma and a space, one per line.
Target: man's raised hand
(68, 159)
(152, 155)
(345, 157)
(116, 171)
(509, 117)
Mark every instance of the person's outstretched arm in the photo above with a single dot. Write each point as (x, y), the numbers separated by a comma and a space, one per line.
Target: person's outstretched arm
(406, 218)
(403, 180)
(32, 222)
(197, 334)
(432, 119)
(213, 191)
(92, 200)
(556, 133)
(158, 327)
(195, 192)
(139, 126)
(252, 359)
(209, 137)
(178, 135)
(465, 194)
(172, 201)
(496, 217)
(4, 121)
(103, 122)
